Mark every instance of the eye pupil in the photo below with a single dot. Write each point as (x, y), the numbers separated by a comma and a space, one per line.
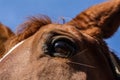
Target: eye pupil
(62, 49)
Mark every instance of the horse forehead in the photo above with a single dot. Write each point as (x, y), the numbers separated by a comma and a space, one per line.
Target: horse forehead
(58, 26)
(62, 28)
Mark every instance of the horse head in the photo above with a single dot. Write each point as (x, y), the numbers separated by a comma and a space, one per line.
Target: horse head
(76, 50)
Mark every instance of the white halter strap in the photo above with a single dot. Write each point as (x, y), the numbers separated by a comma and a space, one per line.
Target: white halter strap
(11, 50)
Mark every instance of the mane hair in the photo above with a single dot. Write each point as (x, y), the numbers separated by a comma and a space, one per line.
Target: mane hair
(27, 29)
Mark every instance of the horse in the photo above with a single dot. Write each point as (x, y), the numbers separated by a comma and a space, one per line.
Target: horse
(75, 50)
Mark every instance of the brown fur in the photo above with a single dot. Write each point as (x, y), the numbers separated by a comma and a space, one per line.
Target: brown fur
(91, 61)
(27, 29)
(99, 20)
(5, 34)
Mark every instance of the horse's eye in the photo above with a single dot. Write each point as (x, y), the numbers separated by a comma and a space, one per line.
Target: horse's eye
(62, 48)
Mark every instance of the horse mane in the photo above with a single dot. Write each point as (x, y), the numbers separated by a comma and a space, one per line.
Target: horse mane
(27, 29)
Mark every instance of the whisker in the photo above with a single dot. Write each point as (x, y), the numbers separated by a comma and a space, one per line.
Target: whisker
(86, 65)
(83, 51)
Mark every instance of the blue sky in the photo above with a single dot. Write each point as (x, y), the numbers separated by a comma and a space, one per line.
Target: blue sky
(15, 12)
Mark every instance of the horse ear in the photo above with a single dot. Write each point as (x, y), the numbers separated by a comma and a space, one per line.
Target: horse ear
(101, 20)
(5, 33)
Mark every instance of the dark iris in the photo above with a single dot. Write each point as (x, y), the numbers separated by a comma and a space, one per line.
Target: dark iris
(62, 48)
